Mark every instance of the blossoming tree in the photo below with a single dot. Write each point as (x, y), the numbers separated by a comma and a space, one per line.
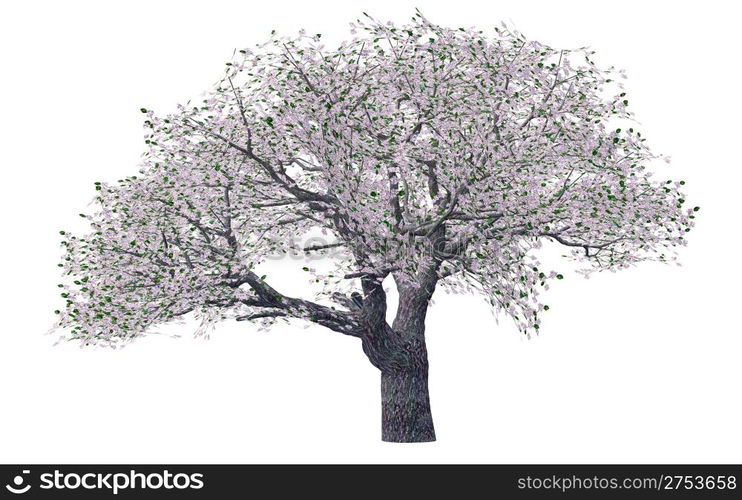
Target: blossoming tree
(438, 157)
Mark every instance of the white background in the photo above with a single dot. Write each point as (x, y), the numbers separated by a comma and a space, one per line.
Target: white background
(639, 366)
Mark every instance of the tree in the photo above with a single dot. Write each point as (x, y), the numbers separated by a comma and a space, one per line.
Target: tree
(434, 156)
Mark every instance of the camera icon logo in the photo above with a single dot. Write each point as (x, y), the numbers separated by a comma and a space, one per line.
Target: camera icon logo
(18, 487)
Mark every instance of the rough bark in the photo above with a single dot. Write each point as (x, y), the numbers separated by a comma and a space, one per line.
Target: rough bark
(399, 351)
(405, 402)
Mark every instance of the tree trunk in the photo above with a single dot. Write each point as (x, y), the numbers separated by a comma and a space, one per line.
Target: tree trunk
(399, 352)
(405, 406)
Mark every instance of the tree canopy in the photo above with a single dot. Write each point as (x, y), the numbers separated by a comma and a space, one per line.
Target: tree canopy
(437, 155)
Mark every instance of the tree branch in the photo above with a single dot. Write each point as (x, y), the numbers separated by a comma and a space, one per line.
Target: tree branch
(281, 305)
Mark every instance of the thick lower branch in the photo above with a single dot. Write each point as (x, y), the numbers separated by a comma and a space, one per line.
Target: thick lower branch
(275, 304)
